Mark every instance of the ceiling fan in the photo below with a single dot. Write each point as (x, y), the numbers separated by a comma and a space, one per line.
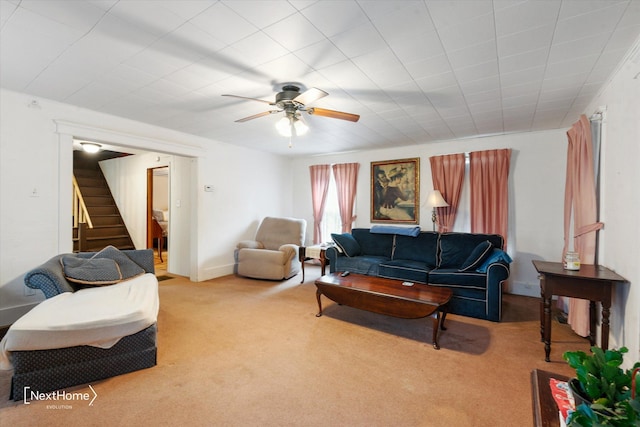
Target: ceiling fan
(292, 103)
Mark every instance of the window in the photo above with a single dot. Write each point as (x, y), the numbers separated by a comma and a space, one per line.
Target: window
(331, 222)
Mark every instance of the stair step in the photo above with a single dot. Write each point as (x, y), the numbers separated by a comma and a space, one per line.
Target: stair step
(87, 173)
(102, 200)
(104, 220)
(108, 226)
(84, 181)
(95, 191)
(102, 210)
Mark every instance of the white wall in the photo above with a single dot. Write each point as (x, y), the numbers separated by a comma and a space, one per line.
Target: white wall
(536, 193)
(620, 239)
(161, 191)
(35, 154)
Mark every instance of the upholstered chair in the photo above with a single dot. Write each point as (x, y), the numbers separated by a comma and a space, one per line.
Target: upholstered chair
(273, 254)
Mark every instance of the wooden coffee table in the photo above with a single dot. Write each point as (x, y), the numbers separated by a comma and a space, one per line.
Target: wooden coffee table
(386, 296)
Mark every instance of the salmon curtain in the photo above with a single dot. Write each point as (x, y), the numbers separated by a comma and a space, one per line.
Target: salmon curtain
(346, 176)
(580, 199)
(320, 175)
(447, 173)
(489, 178)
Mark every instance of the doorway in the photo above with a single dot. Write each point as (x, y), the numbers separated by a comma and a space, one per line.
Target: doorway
(158, 214)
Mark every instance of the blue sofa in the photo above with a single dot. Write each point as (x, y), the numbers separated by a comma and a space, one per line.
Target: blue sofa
(474, 266)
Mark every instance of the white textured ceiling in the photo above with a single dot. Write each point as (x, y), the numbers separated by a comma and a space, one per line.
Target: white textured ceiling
(415, 71)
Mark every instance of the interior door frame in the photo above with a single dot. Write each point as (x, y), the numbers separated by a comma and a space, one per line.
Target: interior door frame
(150, 204)
(149, 207)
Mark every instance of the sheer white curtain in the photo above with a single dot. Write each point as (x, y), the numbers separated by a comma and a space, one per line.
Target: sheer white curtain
(346, 175)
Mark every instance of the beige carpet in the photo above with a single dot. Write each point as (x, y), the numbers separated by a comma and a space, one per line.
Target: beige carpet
(240, 352)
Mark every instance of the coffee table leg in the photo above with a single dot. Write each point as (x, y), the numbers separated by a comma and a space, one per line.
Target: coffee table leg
(444, 316)
(318, 293)
(437, 323)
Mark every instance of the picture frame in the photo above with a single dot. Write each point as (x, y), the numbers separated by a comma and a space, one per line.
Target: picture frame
(395, 191)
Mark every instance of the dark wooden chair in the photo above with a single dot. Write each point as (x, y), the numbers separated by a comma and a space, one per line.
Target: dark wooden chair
(160, 234)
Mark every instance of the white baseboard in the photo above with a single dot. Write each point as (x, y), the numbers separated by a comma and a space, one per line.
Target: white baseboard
(525, 289)
(213, 272)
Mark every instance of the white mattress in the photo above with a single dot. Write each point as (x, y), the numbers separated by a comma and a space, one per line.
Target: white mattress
(97, 316)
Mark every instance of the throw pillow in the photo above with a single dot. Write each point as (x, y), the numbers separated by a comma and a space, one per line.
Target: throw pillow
(127, 266)
(496, 255)
(347, 244)
(96, 272)
(479, 254)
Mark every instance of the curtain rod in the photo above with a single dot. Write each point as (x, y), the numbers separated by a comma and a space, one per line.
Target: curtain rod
(599, 114)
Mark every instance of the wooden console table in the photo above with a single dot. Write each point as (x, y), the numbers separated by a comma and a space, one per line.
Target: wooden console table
(545, 410)
(591, 282)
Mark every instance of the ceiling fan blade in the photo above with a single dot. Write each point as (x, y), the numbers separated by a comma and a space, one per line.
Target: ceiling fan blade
(255, 116)
(310, 95)
(333, 114)
(251, 99)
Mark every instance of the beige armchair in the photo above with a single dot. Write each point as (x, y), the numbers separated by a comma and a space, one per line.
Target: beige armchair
(273, 255)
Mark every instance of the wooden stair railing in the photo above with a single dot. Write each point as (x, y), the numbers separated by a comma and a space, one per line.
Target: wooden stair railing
(81, 217)
(80, 212)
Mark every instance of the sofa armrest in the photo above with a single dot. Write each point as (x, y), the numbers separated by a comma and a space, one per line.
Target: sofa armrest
(497, 272)
(249, 244)
(290, 250)
(49, 278)
(332, 253)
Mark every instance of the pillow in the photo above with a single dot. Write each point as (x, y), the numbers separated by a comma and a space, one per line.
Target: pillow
(95, 272)
(496, 255)
(479, 254)
(128, 267)
(347, 244)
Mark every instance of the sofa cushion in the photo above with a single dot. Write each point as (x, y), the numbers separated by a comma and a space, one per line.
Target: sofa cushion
(404, 269)
(347, 244)
(452, 277)
(420, 248)
(373, 244)
(362, 264)
(495, 256)
(455, 248)
(478, 256)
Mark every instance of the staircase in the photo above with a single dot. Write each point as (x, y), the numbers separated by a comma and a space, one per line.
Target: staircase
(108, 228)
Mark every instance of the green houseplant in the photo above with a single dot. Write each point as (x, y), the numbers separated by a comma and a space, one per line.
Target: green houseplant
(608, 387)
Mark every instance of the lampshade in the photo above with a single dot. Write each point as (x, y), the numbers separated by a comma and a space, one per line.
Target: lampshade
(90, 147)
(285, 124)
(435, 200)
(301, 127)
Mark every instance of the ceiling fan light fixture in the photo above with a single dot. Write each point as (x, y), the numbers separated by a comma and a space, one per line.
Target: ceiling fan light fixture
(300, 126)
(284, 126)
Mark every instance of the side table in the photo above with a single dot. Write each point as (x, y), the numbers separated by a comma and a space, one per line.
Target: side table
(591, 282)
(313, 252)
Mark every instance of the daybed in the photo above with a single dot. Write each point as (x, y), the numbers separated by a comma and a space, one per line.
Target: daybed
(472, 265)
(98, 321)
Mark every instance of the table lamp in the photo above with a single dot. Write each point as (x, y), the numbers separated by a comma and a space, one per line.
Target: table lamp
(435, 200)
